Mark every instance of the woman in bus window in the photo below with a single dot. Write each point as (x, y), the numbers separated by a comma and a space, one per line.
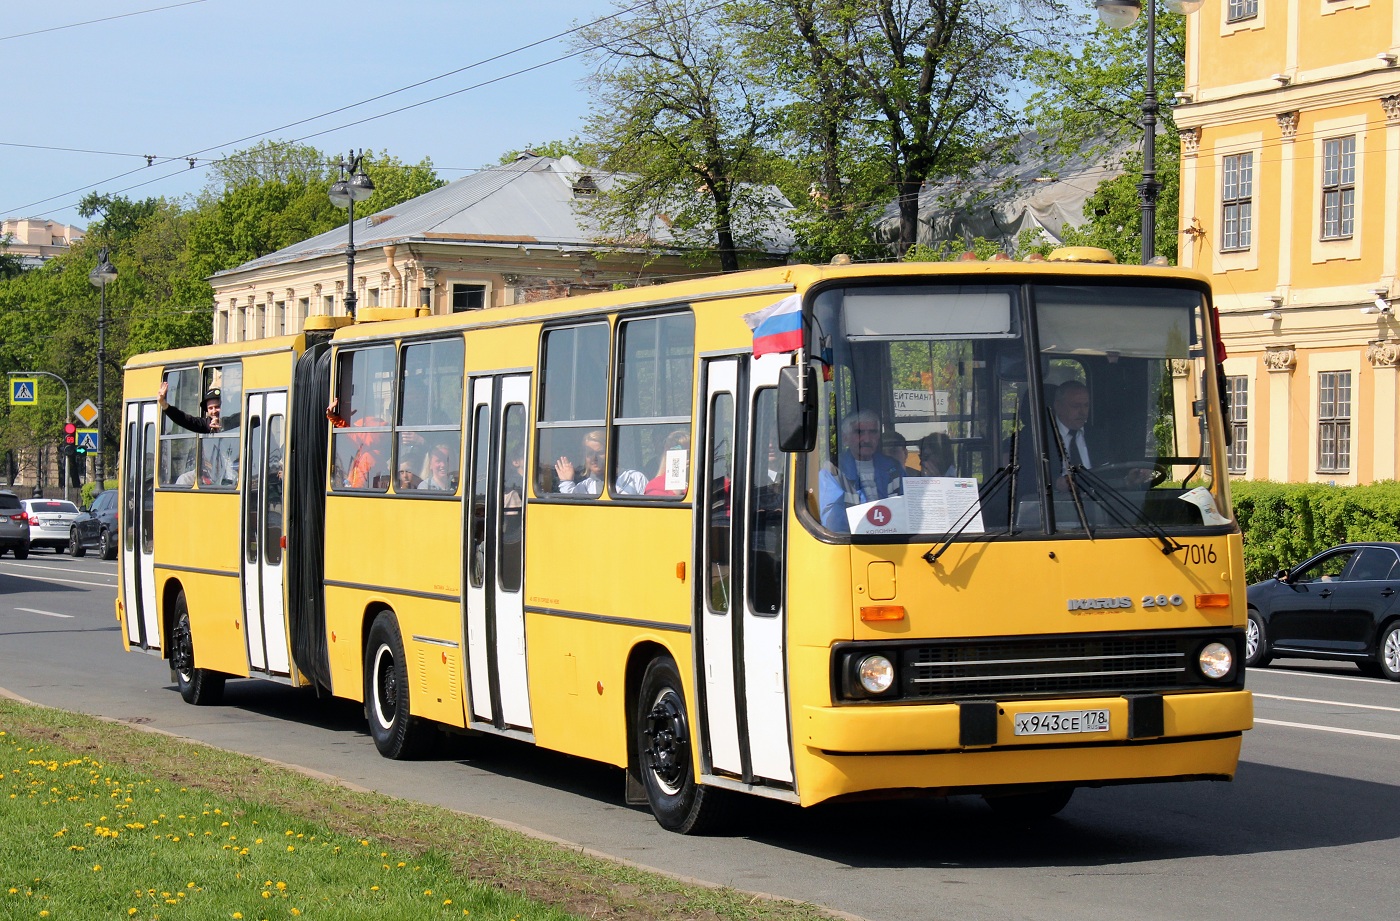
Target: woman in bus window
(436, 474)
(677, 441)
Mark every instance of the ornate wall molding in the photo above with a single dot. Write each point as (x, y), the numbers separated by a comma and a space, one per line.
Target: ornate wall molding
(1281, 358)
(1181, 367)
(1288, 125)
(1391, 105)
(1383, 354)
(1190, 141)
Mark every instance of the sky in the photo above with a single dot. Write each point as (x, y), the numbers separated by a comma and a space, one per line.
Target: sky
(95, 86)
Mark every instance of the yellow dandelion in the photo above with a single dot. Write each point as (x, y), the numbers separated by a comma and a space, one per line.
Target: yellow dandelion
(266, 894)
(373, 888)
(447, 901)
(282, 886)
(189, 885)
(44, 913)
(131, 911)
(427, 892)
(237, 915)
(401, 864)
(291, 847)
(97, 868)
(296, 912)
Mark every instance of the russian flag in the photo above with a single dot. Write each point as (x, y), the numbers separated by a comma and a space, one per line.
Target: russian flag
(777, 327)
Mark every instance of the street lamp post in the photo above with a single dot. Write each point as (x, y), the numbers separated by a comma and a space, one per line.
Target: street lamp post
(352, 186)
(100, 276)
(1120, 14)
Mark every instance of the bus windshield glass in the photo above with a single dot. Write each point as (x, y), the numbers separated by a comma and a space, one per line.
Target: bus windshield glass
(982, 410)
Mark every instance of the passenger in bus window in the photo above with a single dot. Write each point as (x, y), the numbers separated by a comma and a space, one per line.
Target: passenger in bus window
(206, 474)
(861, 473)
(589, 481)
(406, 479)
(213, 419)
(936, 455)
(366, 467)
(436, 472)
(1084, 445)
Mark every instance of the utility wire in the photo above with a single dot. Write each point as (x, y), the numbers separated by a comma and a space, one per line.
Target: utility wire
(74, 25)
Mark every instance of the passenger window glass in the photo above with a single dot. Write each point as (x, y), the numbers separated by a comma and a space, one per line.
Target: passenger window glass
(573, 411)
(272, 520)
(252, 505)
(177, 443)
(655, 367)
(718, 527)
(481, 463)
(429, 417)
(512, 545)
(1327, 569)
(767, 472)
(362, 409)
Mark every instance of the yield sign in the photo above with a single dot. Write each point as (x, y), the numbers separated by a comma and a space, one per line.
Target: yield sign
(86, 412)
(24, 391)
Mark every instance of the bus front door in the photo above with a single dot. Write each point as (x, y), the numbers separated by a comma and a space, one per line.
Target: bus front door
(138, 539)
(741, 618)
(499, 692)
(263, 609)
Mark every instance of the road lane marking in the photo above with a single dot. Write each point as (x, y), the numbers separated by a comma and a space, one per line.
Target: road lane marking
(45, 613)
(1327, 675)
(111, 585)
(1329, 703)
(1348, 732)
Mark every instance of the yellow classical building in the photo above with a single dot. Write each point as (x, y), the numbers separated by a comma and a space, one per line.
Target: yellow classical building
(1290, 201)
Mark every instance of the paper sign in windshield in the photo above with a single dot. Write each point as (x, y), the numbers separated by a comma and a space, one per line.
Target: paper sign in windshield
(930, 505)
(1203, 500)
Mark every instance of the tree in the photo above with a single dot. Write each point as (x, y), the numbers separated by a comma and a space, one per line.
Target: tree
(912, 90)
(1090, 97)
(674, 114)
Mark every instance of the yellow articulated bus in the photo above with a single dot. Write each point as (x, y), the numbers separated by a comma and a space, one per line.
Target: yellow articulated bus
(803, 533)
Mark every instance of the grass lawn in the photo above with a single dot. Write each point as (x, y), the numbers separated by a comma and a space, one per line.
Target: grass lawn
(101, 820)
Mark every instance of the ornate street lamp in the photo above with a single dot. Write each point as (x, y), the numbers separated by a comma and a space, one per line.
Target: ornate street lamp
(352, 186)
(100, 276)
(1120, 14)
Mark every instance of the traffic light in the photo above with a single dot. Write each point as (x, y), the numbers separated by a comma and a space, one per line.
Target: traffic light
(70, 434)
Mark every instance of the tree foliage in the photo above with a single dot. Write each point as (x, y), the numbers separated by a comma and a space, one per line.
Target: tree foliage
(1089, 96)
(259, 200)
(679, 121)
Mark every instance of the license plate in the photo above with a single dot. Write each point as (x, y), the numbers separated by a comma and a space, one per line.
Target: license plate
(1061, 721)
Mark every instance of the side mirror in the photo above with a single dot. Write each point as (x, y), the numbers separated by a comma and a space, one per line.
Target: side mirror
(1281, 575)
(797, 421)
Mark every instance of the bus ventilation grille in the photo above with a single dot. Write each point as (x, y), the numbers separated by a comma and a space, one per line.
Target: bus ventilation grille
(1053, 666)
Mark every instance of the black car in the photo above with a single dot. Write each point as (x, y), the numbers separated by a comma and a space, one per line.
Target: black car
(95, 528)
(1343, 604)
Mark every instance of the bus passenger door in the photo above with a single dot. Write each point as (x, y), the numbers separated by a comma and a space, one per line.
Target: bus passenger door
(138, 539)
(495, 546)
(263, 609)
(742, 621)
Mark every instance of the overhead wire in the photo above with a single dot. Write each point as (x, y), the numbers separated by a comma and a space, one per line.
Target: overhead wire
(88, 22)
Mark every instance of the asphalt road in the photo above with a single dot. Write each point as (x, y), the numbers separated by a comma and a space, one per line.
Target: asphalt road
(1307, 830)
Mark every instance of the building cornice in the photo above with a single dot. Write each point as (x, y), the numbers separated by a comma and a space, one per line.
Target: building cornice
(1264, 104)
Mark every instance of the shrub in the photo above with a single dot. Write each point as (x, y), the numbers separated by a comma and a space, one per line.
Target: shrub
(1285, 523)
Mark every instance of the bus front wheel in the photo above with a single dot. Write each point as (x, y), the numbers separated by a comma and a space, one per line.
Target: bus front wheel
(664, 746)
(396, 733)
(198, 686)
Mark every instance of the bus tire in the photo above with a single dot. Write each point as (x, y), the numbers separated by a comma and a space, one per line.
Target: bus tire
(396, 733)
(1029, 807)
(198, 686)
(665, 751)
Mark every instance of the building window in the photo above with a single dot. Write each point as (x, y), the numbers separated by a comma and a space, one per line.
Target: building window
(468, 297)
(328, 303)
(1338, 187)
(1236, 195)
(373, 296)
(303, 311)
(1242, 9)
(1334, 421)
(1237, 392)
(278, 325)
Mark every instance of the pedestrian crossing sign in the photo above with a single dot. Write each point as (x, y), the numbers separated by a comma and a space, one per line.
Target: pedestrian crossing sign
(24, 391)
(88, 440)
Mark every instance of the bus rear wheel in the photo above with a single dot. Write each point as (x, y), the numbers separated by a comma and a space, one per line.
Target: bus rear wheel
(198, 686)
(396, 733)
(664, 747)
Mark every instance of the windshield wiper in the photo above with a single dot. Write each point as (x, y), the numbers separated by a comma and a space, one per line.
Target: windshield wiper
(1112, 501)
(1002, 475)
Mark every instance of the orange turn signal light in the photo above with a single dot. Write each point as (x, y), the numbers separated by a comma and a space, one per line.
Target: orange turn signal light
(1213, 601)
(882, 612)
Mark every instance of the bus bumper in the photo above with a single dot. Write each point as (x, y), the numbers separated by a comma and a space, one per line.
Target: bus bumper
(846, 750)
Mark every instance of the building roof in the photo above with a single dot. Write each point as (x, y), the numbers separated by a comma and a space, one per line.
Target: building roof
(1034, 188)
(532, 200)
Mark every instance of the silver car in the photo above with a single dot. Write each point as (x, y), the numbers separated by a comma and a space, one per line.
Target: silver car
(50, 520)
(14, 526)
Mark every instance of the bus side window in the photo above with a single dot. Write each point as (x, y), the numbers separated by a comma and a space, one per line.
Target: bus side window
(718, 524)
(767, 473)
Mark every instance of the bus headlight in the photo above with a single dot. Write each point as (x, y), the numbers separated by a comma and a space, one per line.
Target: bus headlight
(875, 674)
(1216, 660)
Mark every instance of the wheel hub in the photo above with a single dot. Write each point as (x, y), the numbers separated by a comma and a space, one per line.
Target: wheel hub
(667, 742)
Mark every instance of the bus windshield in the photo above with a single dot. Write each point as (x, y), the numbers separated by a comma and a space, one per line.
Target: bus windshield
(1011, 409)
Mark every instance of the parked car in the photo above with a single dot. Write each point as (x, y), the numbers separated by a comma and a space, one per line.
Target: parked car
(14, 526)
(49, 522)
(95, 528)
(1343, 604)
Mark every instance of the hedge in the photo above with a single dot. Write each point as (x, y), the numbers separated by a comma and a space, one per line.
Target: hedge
(1285, 523)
